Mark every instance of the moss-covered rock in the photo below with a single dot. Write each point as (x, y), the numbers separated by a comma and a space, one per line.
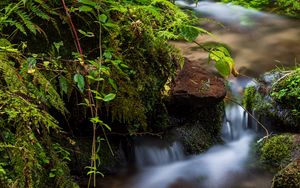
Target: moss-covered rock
(276, 151)
(109, 163)
(281, 153)
(197, 127)
(276, 99)
(289, 177)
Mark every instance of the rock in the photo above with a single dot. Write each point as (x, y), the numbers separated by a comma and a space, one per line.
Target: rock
(276, 115)
(196, 108)
(194, 85)
(282, 153)
(289, 177)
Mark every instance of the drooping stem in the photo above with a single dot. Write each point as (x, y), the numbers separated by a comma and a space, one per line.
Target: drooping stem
(266, 130)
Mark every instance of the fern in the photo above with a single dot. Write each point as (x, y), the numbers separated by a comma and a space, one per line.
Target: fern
(27, 21)
(38, 12)
(49, 92)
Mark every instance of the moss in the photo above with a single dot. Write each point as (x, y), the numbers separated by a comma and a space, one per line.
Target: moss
(198, 128)
(289, 177)
(287, 92)
(248, 98)
(276, 151)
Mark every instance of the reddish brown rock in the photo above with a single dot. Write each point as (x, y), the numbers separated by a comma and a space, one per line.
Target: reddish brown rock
(194, 85)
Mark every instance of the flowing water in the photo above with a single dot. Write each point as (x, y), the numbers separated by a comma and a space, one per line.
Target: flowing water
(259, 42)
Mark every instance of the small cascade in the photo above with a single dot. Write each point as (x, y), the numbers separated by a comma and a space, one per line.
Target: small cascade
(153, 152)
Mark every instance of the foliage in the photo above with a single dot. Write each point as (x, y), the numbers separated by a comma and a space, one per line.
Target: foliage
(249, 97)
(286, 91)
(117, 69)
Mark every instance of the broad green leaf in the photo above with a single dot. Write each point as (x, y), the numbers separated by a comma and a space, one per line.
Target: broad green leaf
(109, 97)
(189, 33)
(79, 79)
(63, 84)
(223, 68)
(102, 18)
(85, 8)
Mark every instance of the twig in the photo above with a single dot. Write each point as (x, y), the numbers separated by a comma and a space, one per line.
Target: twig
(267, 132)
(74, 31)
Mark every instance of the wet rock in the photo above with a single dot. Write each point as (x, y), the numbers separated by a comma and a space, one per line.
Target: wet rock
(196, 108)
(276, 115)
(194, 85)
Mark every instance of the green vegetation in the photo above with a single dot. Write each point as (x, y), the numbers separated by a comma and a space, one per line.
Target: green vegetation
(249, 97)
(289, 177)
(286, 91)
(62, 61)
(278, 101)
(285, 7)
(276, 151)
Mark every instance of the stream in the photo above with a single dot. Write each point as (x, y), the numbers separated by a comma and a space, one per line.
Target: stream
(259, 42)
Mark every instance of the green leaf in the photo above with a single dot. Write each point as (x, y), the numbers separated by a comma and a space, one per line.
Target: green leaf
(86, 34)
(85, 8)
(57, 45)
(102, 18)
(63, 84)
(190, 33)
(113, 83)
(223, 68)
(79, 79)
(109, 97)
(107, 54)
(51, 175)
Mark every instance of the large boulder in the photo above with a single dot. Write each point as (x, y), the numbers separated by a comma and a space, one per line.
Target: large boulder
(196, 107)
(195, 85)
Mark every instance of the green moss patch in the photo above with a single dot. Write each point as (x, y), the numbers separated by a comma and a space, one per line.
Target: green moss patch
(276, 152)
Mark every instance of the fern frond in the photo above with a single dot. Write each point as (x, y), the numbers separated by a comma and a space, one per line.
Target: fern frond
(27, 21)
(52, 96)
(38, 12)
(17, 24)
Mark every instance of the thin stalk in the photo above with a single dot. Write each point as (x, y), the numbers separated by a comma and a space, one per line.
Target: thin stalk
(266, 130)
(77, 42)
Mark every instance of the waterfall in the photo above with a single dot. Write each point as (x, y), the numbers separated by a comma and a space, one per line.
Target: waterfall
(153, 152)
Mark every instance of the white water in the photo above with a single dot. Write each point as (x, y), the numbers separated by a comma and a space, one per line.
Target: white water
(212, 167)
(149, 153)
